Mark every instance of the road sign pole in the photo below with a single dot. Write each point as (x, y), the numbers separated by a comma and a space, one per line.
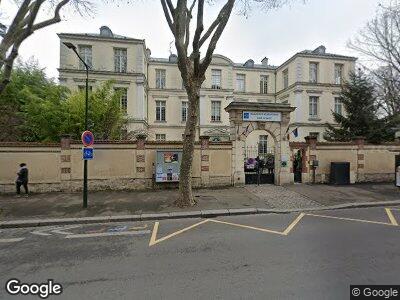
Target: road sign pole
(85, 189)
(85, 163)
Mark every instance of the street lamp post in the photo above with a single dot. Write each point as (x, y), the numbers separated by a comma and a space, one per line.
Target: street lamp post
(85, 162)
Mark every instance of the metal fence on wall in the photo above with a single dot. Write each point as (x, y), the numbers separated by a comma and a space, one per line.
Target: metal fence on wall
(261, 152)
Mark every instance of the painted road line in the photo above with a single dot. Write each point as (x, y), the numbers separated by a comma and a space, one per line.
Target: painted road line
(349, 219)
(12, 240)
(154, 240)
(138, 227)
(43, 232)
(102, 234)
(66, 228)
(247, 227)
(391, 217)
(55, 229)
(293, 224)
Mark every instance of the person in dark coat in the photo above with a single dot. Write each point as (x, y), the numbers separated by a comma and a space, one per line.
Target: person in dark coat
(22, 179)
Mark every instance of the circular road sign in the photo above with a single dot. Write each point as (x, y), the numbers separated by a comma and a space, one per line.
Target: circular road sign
(87, 138)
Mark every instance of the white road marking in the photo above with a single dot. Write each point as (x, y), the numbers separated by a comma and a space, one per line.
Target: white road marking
(12, 240)
(66, 228)
(100, 234)
(55, 229)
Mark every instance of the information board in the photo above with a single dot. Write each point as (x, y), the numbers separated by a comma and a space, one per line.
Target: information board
(168, 163)
(272, 116)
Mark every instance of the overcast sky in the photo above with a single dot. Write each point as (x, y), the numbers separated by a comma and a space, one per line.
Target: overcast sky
(275, 34)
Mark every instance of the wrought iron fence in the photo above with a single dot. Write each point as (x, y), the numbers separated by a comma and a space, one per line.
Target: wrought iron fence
(261, 152)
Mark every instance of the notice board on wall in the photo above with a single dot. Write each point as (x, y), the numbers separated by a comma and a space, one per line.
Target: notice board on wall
(168, 163)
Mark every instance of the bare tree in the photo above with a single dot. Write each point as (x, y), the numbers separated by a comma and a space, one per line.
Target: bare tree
(387, 82)
(24, 24)
(379, 41)
(193, 67)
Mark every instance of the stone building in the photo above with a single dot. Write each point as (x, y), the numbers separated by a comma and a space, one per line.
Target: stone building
(155, 100)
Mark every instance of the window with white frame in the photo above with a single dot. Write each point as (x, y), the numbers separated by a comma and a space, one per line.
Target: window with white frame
(314, 134)
(263, 144)
(285, 75)
(216, 79)
(85, 52)
(215, 111)
(241, 82)
(160, 137)
(120, 60)
(263, 84)
(160, 111)
(338, 73)
(184, 111)
(313, 107)
(338, 105)
(313, 72)
(123, 98)
(160, 78)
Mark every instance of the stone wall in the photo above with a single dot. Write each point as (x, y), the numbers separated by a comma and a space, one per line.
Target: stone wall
(124, 165)
(368, 162)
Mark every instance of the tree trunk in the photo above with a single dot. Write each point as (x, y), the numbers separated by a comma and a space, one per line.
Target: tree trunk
(185, 181)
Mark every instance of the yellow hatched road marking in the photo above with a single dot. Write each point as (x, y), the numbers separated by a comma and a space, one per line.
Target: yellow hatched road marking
(248, 227)
(348, 219)
(154, 240)
(294, 223)
(391, 217)
(291, 226)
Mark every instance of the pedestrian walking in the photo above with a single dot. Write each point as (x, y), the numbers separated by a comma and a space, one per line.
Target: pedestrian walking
(22, 179)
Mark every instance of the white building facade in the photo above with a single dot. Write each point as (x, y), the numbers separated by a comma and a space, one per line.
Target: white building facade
(155, 100)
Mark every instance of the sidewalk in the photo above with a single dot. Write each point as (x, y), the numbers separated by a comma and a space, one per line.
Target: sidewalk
(251, 198)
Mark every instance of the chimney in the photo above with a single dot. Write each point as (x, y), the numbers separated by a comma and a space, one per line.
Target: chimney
(264, 61)
(320, 50)
(173, 58)
(148, 52)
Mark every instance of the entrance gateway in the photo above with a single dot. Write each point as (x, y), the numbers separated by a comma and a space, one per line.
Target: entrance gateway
(271, 118)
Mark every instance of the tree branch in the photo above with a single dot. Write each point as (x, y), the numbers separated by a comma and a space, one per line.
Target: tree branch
(225, 14)
(169, 16)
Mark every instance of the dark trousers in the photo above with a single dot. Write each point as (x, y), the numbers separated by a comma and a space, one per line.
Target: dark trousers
(24, 184)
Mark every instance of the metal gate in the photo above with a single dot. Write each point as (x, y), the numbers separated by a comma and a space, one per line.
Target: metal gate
(259, 164)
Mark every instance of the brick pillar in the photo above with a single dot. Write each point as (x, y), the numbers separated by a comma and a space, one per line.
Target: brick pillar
(141, 157)
(360, 160)
(311, 154)
(205, 160)
(65, 163)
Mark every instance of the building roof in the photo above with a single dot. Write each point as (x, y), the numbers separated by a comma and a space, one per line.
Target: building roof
(330, 55)
(104, 34)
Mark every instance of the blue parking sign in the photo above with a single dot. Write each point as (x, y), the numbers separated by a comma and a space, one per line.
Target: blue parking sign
(87, 153)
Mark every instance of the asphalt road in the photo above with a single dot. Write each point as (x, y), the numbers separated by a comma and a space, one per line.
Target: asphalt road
(285, 256)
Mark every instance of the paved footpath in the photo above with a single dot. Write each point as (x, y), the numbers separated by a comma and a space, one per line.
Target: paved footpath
(274, 256)
(264, 197)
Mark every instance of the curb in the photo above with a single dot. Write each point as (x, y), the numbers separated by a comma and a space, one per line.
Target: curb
(183, 215)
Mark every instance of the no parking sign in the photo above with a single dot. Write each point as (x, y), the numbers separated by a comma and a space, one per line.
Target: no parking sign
(87, 138)
(87, 141)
